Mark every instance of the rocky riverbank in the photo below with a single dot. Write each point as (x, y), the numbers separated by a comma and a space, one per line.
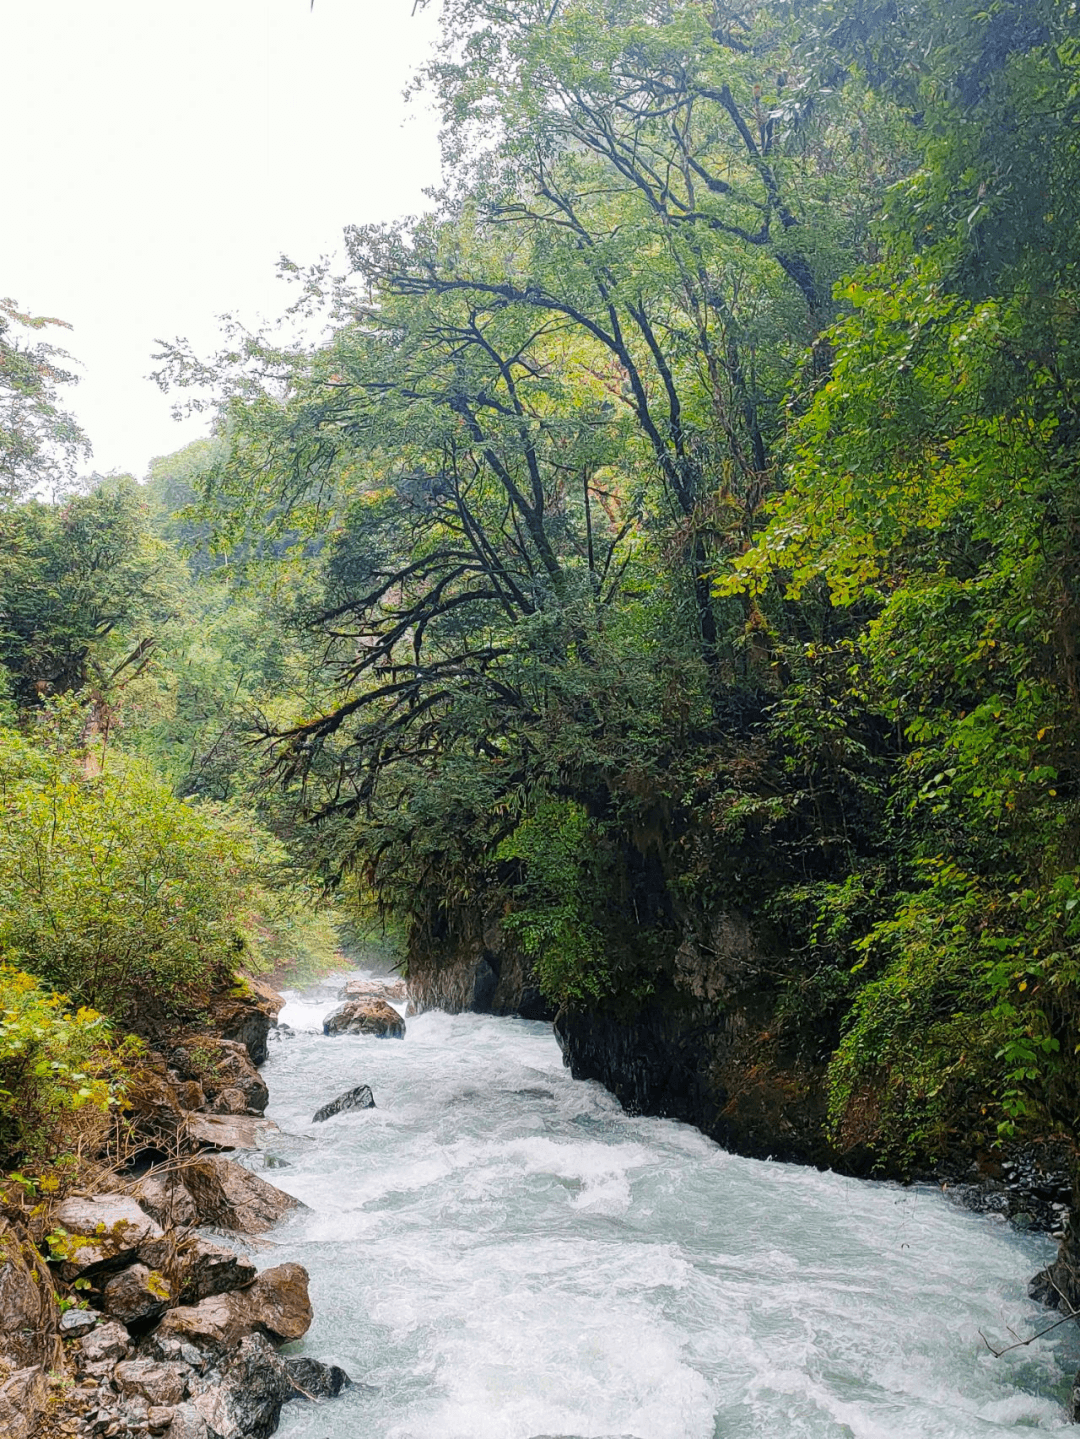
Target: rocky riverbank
(119, 1316)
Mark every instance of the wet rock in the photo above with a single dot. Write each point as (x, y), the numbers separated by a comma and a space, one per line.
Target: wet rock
(160, 1384)
(189, 1093)
(135, 1294)
(232, 1197)
(276, 1305)
(388, 989)
(206, 1269)
(229, 1101)
(214, 1324)
(229, 1131)
(76, 1322)
(106, 1343)
(1058, 1285)
(316, 1380)
(366, 1016)
(279, 1301)
(245, 1401)
(247, 1014)
(165, 1198)
(24, 1394)
(218, 1065)
(103, 1233)
(187, 1423)
(28, 1309)
(358, 1098)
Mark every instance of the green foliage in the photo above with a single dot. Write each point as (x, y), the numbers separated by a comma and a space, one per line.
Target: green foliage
(40, 443)
(556, 845)
(53, 1064)
(84, 592)
(111, 889)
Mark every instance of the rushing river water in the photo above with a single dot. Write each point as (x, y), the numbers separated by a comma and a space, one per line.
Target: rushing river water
(501, 1253)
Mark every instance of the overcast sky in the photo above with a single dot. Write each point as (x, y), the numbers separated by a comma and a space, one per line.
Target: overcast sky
(160, 157)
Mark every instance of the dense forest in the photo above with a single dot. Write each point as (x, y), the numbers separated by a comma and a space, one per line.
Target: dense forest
(670, 556)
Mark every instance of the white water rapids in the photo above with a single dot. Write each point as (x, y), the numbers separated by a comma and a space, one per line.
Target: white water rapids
(502, 1252)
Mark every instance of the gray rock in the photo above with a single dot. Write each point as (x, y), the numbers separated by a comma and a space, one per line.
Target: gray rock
(103, 1233)
(229, 1101)
(221, 1064)
(162, 1384)
(229, 1131)
(76, 1322)
(24, 1394)
(388, 989)
(316, 1380)
(245, 1398)
(358, 1098)
(135, 1293)
(165, 1199)
(28, 1309)
(105, 1343)
(198, 1266)
(232, 1197)
(277, 1305)
(187, 1423)
(366, 1016)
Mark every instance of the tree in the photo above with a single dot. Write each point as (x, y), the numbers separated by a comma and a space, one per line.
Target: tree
(40, 443)
(84, 592)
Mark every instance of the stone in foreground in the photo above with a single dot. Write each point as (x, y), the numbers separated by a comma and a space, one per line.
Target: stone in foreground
(229, 1131)
(366, 1016)
(359, 1098)
(232, 1197)
(275, 1305)
(103, 1233)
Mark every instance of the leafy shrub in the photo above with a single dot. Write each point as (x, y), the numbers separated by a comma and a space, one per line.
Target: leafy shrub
(119, 894)
(551, 910)
(51, 1067)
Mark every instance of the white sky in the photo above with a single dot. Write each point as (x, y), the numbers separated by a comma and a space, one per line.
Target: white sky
(162, 154)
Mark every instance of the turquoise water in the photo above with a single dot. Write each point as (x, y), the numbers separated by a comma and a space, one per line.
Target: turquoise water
(502, 1253)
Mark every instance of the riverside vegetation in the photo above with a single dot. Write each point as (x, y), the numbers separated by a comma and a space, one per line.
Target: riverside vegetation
(658, 599)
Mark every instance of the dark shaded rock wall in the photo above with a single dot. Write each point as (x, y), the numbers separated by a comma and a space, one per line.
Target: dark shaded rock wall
(472, 967)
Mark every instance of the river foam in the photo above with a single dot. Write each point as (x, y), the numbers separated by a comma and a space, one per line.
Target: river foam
(502, 1253)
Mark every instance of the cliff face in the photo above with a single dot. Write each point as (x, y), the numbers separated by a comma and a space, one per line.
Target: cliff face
(472, 966)
(703, 1048)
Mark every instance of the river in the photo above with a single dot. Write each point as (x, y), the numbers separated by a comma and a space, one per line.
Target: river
(501, 1252)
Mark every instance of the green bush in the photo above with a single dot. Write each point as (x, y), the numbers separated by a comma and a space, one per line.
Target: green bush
(117, 893)
(51, 1064)
(556, 846)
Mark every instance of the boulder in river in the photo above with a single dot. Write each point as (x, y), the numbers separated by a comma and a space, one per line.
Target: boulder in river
(366, 1016)
(389, 989)
(316, 1380)
(359, 1098)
